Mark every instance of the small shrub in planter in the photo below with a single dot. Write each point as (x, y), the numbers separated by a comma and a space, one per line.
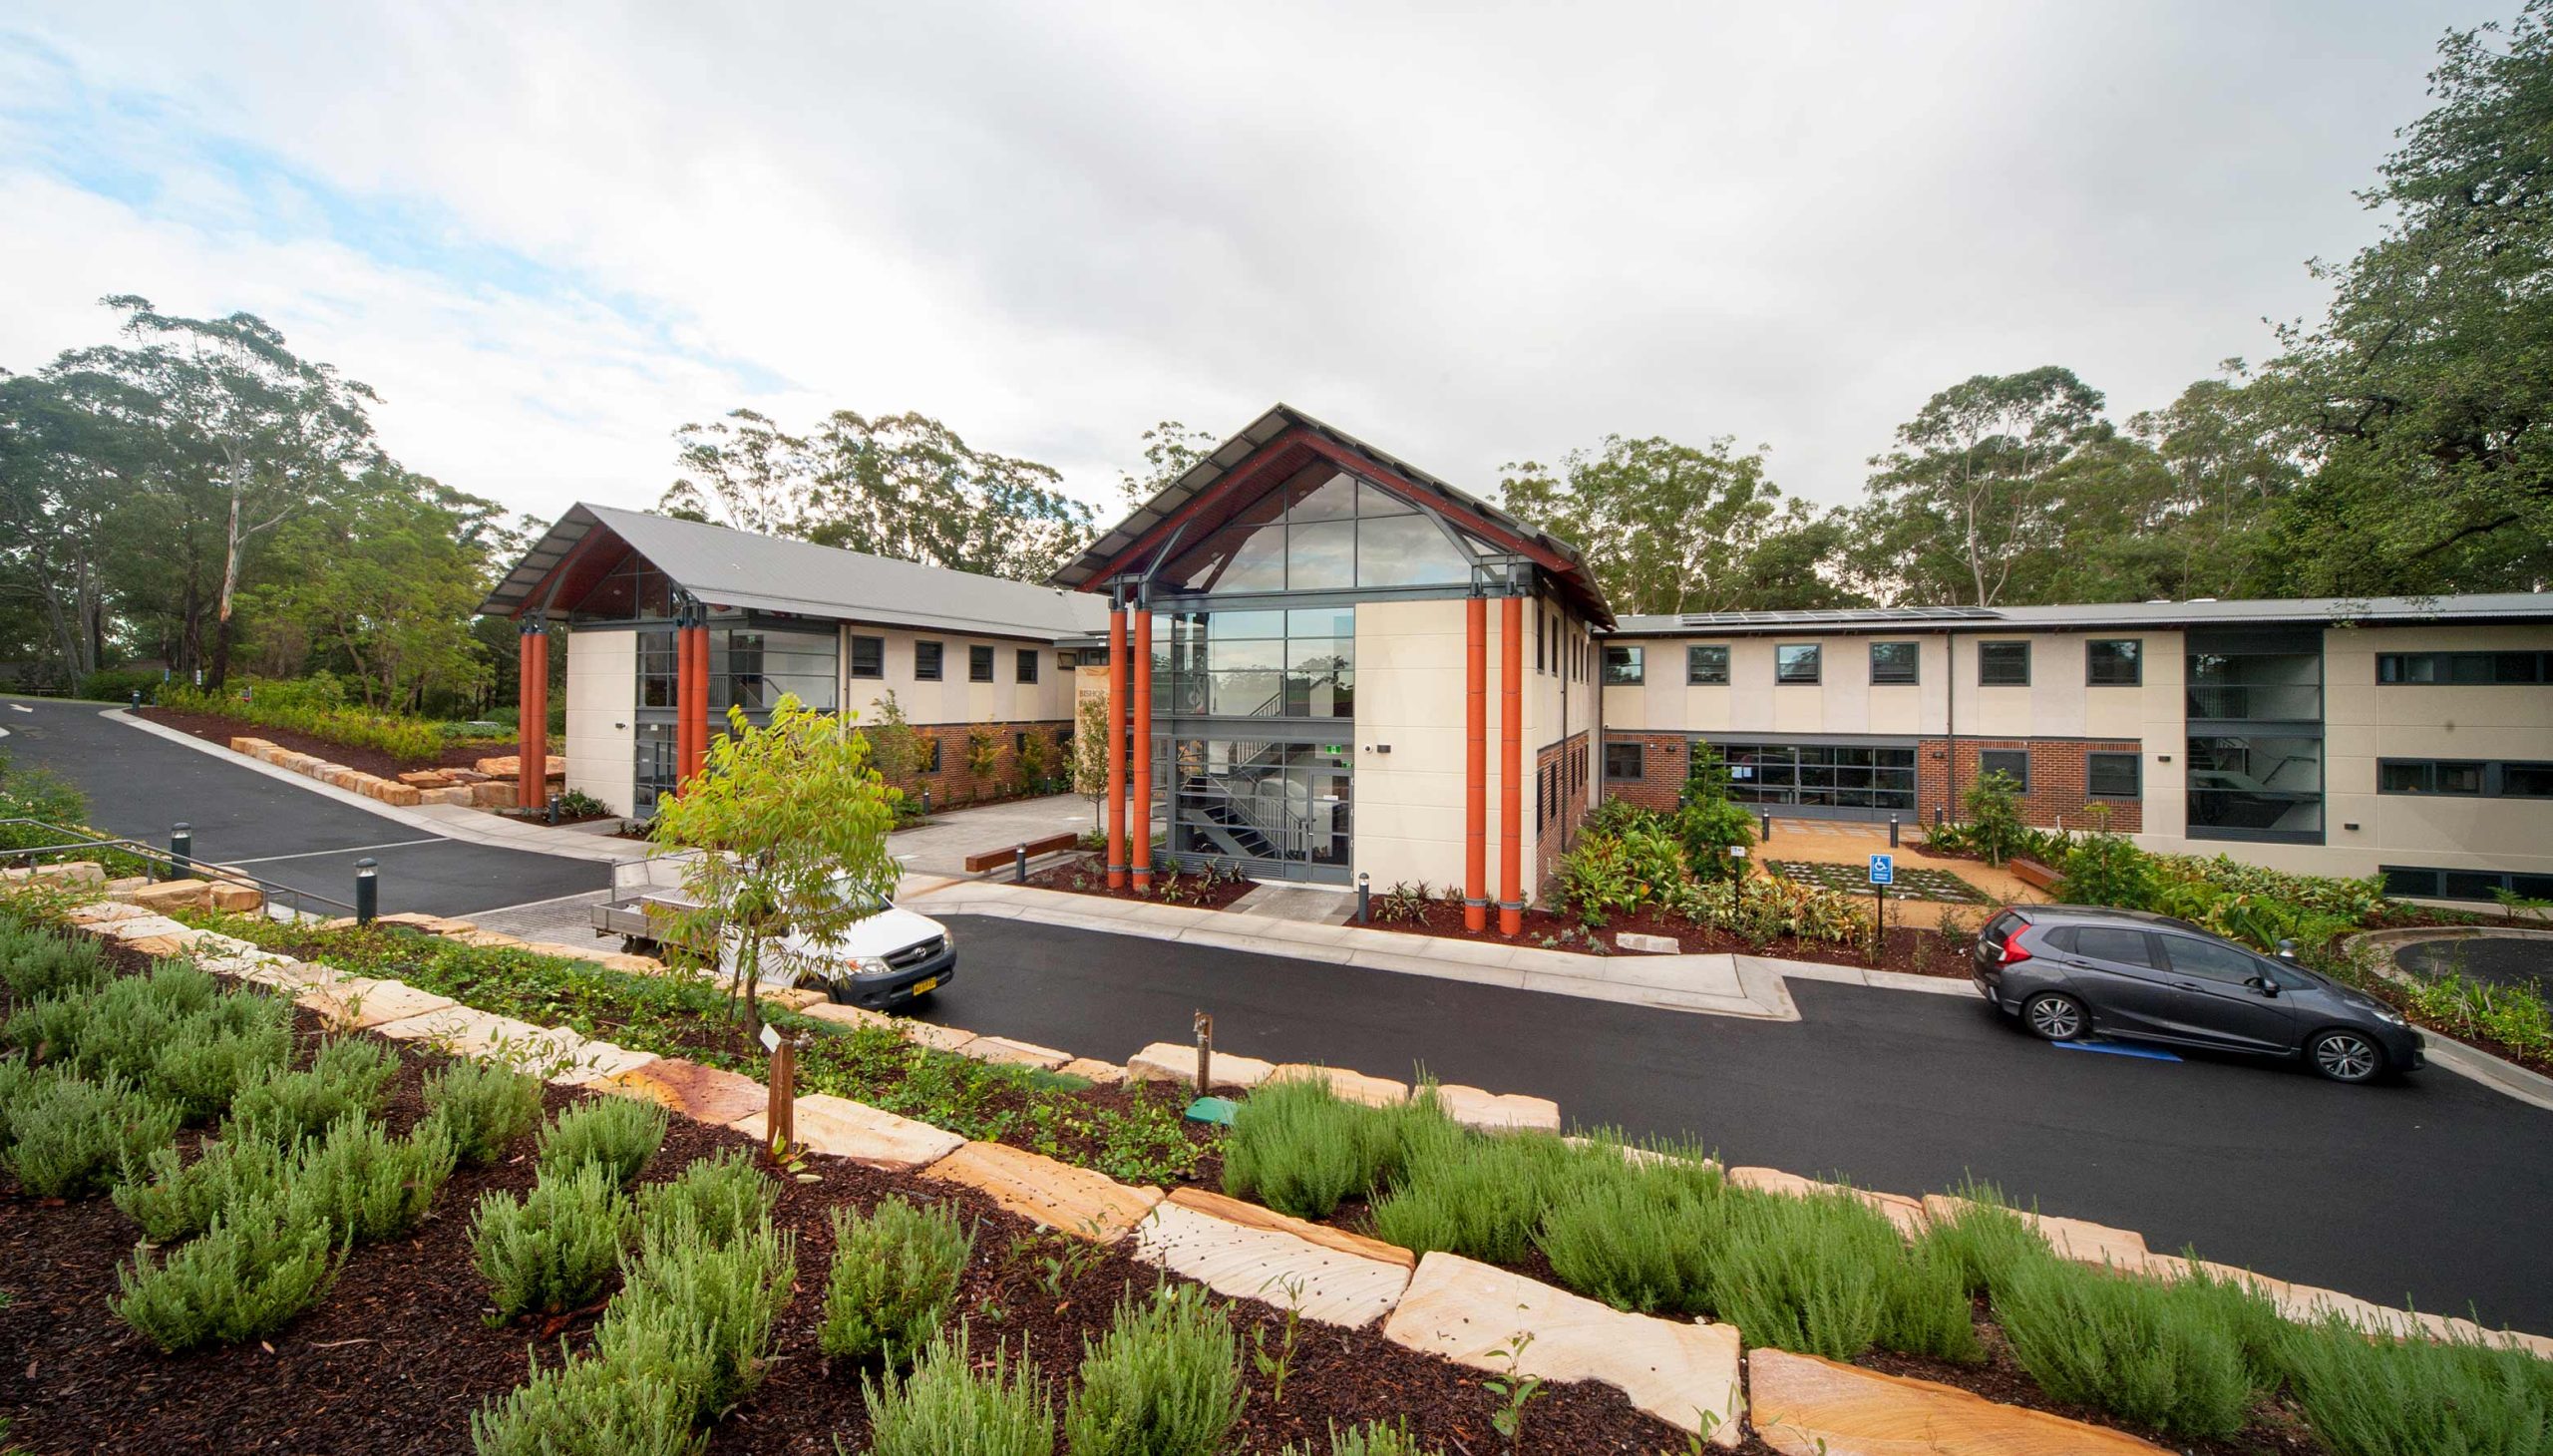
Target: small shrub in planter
(2139, 1349)
(587, 1407)
(621, 1133)
(174, 1200)
(484, 1107)
(369, 1186)
(1984, 1241)
(725, 1198)
(1816, 1275)
(2365, 1396)
(348, 1076)
(39, 963)
(1163, 1381)
(1627, 1235)
(1300, 1148)
(950, 1406)
(259, 1264)
(1476, 1195)
(894, 1272)
(699, 1313)
(553, 1248)
(1373, 1438)
(72, 1136)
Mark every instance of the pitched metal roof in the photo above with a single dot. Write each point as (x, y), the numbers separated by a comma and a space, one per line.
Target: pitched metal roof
(726, 567)
(2196, 613)
(1085, 572)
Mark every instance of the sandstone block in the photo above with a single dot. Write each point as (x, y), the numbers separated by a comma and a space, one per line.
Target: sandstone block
(170, 895)
(1095, 1072)
(847, 1017)
(1012, 1053)
(1677, 1371)
(454, 794)
(865, 1135)
(1076, 1201)
(359, 1002)
(1653, 945)
(1905, 1212)
(938, 1038)
(2073, 1237)
(490, 794)
(1497, 1111)
(1167, 1061)
(695, 1091)
(230, 894)
(1806, 1407)
(1348, 1086)
(1258, 1259)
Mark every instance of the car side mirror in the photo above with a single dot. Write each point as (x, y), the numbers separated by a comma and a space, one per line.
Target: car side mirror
(2263, 984)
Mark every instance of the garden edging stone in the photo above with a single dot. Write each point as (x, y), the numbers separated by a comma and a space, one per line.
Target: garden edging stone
(1807, 1406)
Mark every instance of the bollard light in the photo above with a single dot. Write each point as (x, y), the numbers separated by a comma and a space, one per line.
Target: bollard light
(367, 890)
(1019, 864)
(181, 849)
(1891, 831)
(1364, 898)
(136, 697)
(1768, 825)
(925, 803)
(552, 809)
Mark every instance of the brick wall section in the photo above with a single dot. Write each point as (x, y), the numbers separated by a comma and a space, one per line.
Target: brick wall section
(953, 784)
(2056, 780)
(1662, 767)
(1566, 760)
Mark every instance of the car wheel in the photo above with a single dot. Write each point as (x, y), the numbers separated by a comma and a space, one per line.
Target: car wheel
(2055, 1016)
(2345, 1056)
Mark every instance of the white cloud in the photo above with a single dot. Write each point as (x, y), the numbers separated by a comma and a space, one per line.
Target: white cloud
(551, 235)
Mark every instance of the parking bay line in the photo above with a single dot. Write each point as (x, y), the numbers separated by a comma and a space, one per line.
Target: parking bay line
(2146, 1053)
(348, 850)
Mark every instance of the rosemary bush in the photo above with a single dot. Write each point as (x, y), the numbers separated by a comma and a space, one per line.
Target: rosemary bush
(1300, 1148)
(587, 1407)
(369, 1186)
(484, 1107)
(557, 1247)
(2378, 1397)
(621, 1133)
(949, 1407)
(2140, 1349)
(172, 1198)
(259, 1264)
(71, 1136)
(699, 1313)
(725, 1197)
(1163, 1381)
(894, 1272)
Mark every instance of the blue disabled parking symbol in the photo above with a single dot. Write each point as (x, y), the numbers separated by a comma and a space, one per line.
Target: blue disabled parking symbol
(1883, 869)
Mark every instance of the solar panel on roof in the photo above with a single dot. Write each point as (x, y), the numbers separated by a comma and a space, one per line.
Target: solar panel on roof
(1839, 615)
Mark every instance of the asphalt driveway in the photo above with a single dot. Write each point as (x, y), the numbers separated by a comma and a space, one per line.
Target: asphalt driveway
(2433, 1188)
(139, 784)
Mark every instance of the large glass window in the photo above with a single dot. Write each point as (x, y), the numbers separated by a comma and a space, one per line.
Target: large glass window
(1322, 531)
(1297, 664)
(2264, 786)
(1706, 665)
(2114, 662)
(755, 669)
(1796, 662)
(632, 590)
(1286, 806)
(1626, 666)
(2284, 687)
(2470, 668)
(1843, 776)
(659, 668)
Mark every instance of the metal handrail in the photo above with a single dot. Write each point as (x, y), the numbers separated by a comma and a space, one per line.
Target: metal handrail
(1296, 832)
(193, 867)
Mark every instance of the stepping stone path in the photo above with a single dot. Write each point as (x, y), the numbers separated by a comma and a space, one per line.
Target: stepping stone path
(1247, 1252)
(1169, 1061)
(1076, 1201)
(865, 1135)
(1805, 1406)
(703, 1093)
(1348, 1086)
(1683, 1374)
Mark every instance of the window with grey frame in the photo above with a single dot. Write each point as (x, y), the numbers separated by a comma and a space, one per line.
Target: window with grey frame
(2470, 669)
(2012, 763)
(2114, 662)
(1626, 666)
(980, 663)
(1706, 665)
(1025, 670)
(1895, 662)
(927, 658)
(1298, 662)
(2003, 664)
(755, 669)
(868, 656)
(1323, 529)
(1626, 761)
(2424, 883)
(1798, 664)
(2114, 775)
(2464, 778)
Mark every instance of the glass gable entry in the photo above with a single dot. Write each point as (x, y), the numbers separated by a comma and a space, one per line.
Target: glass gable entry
(749, 667)
(1255, 666)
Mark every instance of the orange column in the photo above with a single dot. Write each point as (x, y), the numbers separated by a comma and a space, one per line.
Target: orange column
(1117, 748)
(1475, 764)
(691, 702)
(1140, 663)
(532, 720)
(1510, 765)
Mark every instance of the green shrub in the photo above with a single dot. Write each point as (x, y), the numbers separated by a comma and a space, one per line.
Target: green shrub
(949, 1407)
(725, 1197)
(295, 707)
(71, 1136)
(553, 1248)
(1635, 1238)
(621, 1133)
(35, 962)
(1373, 1438)
(2378, 1397)
(1477, 1196)
(369, 1186)
(347, 1077)
(1926, 1311)
(1993, 808)
(129, 1021)
(215, 1055)
(2138, 1348)
(587, 1407)
(484, 1107)
(119, 685)
(259, 1264)
(2104, 868)
(1300, 1148)
(894, 1275)
(1708, 821)
(1983, 1240)
(2239, 1303)
(1163, 1381)
(172, 1198)
(699, 1313)
(47, 1028)
(1811, 1273)
(17, 1077)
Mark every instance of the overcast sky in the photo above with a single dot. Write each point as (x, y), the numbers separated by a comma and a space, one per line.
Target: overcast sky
(549, 235)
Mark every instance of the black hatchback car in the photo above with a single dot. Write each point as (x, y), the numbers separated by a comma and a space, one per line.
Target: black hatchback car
(2071, 971)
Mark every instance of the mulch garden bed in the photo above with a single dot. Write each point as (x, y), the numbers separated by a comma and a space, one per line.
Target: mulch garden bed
(399, 1352)
(1904, 947)
(214, 728)
(1087, 873)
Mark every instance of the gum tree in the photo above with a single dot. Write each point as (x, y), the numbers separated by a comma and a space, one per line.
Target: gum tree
(792, 823)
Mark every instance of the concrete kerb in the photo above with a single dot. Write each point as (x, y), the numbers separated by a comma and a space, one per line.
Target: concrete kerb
(2470, 1062)
(1222, 1245)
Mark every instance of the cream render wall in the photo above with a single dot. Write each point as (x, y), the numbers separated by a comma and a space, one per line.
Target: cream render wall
(602, 737)
(954, 699)
(1410, 687)
(1843, 700)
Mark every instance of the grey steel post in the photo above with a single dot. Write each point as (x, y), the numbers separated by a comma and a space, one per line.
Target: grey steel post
(1019, 864)
(367, 890)
(1892, 829)
(925, 803)
(1767, 817)
(1364, 898)
(181, 849)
